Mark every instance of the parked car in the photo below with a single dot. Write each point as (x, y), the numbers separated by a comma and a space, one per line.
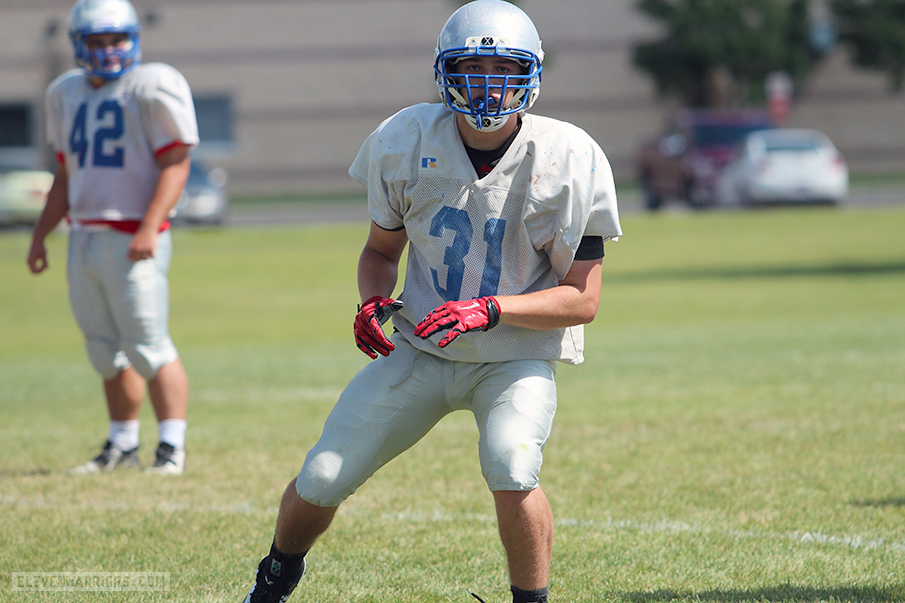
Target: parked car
(785, 166)
(205, 199)
(23, 193)
(685, 161)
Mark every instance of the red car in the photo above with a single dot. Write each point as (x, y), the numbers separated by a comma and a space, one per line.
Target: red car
(686, 160)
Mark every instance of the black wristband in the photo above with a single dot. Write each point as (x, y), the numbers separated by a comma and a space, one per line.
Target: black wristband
(493, 313)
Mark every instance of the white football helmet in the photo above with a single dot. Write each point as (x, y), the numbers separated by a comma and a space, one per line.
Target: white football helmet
(89, 17)
(488, 28)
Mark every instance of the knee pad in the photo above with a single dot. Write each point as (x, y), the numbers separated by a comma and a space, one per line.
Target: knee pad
(319, 481)
(106, 358)
(512, 465)
(148, 358)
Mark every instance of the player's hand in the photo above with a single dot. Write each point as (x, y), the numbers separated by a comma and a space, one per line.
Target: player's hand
(460, 317)
(37, 258)
(143, 245)
(369, 335)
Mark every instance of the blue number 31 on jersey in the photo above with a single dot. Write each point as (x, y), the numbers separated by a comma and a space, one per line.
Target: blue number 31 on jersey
(457, 220)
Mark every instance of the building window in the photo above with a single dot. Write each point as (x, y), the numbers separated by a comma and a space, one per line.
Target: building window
(215, 122)
(15, 125)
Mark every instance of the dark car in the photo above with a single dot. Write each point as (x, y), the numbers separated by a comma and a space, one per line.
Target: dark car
(205, 200)
(686, 160)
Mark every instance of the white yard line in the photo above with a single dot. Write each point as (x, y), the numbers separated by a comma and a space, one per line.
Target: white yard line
(803, 537)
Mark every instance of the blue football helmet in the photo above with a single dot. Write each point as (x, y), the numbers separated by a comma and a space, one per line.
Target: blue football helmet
(89, 17)
(485, 28)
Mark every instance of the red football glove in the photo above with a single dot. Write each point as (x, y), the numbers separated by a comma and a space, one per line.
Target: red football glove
(369, 335)
(463, 316)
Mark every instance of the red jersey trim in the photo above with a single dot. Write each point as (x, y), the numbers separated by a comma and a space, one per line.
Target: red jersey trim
(126, 226)
(164, 149)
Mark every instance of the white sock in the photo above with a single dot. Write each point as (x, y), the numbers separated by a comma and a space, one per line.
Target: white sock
(172, 431)
(124, 434)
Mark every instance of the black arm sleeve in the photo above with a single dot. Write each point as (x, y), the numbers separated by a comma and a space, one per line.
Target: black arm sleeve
(590, 248)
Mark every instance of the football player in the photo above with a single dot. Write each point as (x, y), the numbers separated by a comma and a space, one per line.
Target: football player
(122, 131)
(505, 215)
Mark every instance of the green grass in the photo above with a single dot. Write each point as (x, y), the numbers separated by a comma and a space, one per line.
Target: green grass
(737, 432)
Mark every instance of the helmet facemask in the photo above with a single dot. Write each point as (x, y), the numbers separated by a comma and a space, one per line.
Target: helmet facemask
(475, 95)
(107, 63)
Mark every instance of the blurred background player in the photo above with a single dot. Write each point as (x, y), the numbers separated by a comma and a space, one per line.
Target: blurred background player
(505, 215)
(122, 131)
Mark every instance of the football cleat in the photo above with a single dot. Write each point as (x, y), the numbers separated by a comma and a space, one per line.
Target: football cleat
(109, 459)
(168, 460)
(259, 595)
(259, 592)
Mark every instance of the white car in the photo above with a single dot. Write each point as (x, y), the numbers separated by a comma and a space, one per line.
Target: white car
(205, 199)
(23, 193)
(784, 165)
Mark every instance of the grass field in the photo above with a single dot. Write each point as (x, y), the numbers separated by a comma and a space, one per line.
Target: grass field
(737, 432)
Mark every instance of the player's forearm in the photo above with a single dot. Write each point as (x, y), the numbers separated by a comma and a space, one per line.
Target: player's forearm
(573, 302)
(55, 209)
(378, 265)
(174, 173)
(555, 308)
(166, 195)
(158, 212)
(377, 274)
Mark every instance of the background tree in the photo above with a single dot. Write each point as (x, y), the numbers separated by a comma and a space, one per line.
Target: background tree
(719, 52)
(874, 32)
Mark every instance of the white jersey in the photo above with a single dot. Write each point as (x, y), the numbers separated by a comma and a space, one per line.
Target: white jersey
(108, 136)
(514, 231)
